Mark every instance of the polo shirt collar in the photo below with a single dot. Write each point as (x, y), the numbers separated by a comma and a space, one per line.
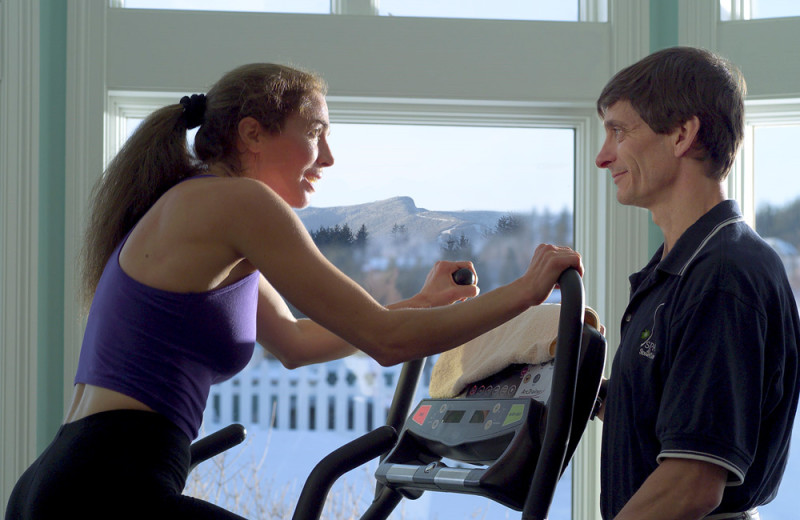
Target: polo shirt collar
(695, 237)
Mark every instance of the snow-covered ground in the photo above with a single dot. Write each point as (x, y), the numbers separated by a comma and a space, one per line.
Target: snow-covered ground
(262, 479)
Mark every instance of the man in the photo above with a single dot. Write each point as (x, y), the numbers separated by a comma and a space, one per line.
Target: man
(704, 386)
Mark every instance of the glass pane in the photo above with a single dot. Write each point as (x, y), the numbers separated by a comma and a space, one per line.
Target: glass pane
(261, 6)
(498, 9)
(450, 167)
(544, 10)
(725, 9)
(774, 8)
(755, 9)
(778, 220)
(132, 123)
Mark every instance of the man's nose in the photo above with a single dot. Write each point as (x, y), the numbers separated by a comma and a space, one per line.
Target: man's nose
(604, 157)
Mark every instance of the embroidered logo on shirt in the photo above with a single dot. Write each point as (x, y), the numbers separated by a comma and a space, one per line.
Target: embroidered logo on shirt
(647, 347)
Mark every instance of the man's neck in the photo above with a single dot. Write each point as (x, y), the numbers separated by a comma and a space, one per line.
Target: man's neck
(685, 208)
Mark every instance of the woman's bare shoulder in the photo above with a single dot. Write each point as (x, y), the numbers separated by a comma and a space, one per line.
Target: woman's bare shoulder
(236, 210)
(221, 199)
(193, 236)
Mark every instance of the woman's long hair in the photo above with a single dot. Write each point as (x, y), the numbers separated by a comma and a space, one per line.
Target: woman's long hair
(156, 156)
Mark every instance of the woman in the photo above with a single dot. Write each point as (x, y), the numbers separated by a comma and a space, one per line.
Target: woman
(187, 263)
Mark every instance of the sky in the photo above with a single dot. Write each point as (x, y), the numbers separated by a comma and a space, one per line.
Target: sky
(777, 164)
(500, 169)
(513, 170)
(450, 168)
(497, 9)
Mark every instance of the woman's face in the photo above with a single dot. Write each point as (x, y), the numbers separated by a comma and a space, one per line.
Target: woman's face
(290, 162)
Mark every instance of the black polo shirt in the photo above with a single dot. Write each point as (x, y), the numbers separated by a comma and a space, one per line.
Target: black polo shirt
(707, 366)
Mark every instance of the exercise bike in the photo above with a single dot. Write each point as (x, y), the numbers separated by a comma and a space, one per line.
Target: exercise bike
(510, 444)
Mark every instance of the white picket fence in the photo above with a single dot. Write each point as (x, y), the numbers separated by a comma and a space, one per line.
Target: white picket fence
(351, 395)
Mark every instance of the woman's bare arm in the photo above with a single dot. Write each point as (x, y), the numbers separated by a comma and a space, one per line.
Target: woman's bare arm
(265, 231)
(298, 342)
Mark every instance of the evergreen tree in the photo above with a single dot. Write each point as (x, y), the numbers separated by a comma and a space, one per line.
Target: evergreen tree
(399, 233)
(361, 237)
(780, 222)
(508, 225)
(457, 249)
(563, 228)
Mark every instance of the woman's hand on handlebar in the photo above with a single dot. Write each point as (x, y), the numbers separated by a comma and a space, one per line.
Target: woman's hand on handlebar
(546, 266)
(440, 288)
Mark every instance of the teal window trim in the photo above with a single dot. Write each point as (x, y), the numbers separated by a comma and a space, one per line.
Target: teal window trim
(51, 263)
(663, 34)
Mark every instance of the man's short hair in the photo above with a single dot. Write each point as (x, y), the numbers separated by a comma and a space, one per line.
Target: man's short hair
(670, 86)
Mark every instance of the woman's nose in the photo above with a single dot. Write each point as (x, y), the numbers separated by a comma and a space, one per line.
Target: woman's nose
(325, 157)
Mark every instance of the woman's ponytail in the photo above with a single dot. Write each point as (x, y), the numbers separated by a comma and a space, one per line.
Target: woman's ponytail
(152, 160)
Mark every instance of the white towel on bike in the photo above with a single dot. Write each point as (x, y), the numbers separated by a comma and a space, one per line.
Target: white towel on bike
(530, 338)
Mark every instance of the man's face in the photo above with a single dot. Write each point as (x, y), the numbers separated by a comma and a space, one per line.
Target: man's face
(641, 162)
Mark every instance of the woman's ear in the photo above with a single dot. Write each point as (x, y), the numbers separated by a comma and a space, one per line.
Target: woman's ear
(249, 134)
(685, 136)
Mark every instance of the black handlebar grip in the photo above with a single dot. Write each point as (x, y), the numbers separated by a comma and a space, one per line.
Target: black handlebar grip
(464, 276)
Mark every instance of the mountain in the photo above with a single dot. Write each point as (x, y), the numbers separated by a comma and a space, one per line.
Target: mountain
(382, 216)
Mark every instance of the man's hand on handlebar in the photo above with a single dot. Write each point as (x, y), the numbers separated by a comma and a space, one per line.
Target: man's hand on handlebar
(546, 266)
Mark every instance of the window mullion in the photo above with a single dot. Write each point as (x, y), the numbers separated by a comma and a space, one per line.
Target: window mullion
(592, 10)
(360, 7)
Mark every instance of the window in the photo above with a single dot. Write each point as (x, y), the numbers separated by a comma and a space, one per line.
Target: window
(777, 202)
(507, 9)
(451, 171)
(542, 10)
(263, 6)
(757, 9)
(467, 180)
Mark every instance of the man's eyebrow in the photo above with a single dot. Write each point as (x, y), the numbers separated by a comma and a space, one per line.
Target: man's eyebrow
(612, 123)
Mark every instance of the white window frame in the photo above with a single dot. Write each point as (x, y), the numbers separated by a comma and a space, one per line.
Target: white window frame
(741, 185)
(740, 10)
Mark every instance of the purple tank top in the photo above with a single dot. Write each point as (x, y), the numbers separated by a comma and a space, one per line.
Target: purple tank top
(163, 348)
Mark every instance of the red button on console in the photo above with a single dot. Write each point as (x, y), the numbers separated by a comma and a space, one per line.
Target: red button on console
(421, 414)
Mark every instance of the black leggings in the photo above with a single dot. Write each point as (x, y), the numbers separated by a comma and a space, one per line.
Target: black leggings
(119, 464)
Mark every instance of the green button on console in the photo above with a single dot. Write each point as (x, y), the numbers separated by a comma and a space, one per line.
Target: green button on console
(514, 414)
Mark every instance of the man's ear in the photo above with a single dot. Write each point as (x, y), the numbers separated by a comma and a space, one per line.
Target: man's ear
(249, 131)
(684, 136)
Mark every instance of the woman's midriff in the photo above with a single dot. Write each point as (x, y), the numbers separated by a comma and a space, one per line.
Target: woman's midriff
(89, 399)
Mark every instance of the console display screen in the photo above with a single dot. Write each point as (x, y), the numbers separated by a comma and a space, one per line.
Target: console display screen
(479, 416)
(453, 416)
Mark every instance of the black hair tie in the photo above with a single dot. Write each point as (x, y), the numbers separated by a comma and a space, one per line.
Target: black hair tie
(194, 108)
